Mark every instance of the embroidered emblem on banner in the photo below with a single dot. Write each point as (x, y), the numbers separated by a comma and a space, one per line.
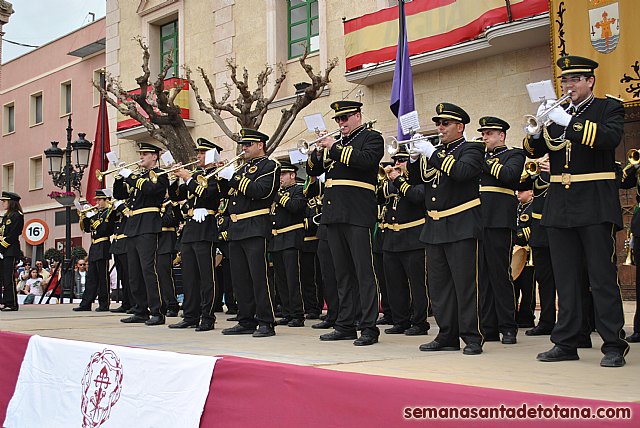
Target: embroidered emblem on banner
(101, 387)
(604, 25)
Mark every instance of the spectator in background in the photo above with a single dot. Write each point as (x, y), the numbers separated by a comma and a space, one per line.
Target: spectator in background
(80, 277)
(23, 276)
(41, 270)
(33, 286)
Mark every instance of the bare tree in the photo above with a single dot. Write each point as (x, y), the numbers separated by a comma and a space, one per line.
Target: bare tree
(161, 115)
(250, 108)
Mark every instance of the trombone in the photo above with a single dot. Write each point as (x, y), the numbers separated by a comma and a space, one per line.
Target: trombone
(153, 176)
(203, 180)
(534, 124)
(305, 147)
(100, 174)
(393, 144)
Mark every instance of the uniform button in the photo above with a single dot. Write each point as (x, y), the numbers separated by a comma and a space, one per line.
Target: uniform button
(328, 202)
(233, 203)
(433, 199)
(393, 218)
(434, 185)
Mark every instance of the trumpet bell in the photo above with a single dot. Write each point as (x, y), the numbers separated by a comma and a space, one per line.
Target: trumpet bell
(392, 146)
(633, 156)
(532, 125)
(532, 168)
(303, 147)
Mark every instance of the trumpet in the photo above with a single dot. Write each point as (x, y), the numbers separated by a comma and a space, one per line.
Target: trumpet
(153, 176)
(100, 174)
(534, 124)
(532, 168)
(628, 246)
(86, 210)
(393, 144)
(633, 156)
(203, 180)
(383, 172)
(305, 146)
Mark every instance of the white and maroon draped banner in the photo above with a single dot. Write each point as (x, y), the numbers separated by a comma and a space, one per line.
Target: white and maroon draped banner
(65, 383)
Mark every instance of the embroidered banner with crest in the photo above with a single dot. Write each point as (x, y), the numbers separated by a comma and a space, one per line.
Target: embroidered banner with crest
(606, 31)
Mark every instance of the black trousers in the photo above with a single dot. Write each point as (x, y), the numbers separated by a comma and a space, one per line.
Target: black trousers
(453, 288)
(525, 288)
(353, 261)
(286, 271)
(225, 287)
(122, 269)
(248, 259)
(164, 266)
(546, 286)
(595, 247)
(329, 282)
(310, 279)
(497, 296)
(378, 265)
(143, 277)
(406, 278)
(636, 317)
(8, 283)
(97, 284)
(198, 280)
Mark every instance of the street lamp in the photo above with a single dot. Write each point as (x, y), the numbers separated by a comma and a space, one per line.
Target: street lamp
(67, 176)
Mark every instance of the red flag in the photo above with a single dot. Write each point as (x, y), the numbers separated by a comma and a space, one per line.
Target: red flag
(101, 147)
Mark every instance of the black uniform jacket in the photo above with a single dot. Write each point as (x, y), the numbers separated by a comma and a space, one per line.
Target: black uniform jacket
(523, 223)
(10, 231)
(288, 219)
(251, 191)
(403, 215)
(452, 178)
(351, 177)
(631, 179)
(144, 200)
(120, 216)
(595, 131)
(540, 185)
(101, 227)
(197, 196)
(170, 222)
(501, 174)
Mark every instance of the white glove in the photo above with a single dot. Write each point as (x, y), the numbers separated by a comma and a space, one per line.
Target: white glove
(125, 172)
(117, 203)
(199, 214)
(541, 109)
(90, 214)
(86, 206)
(424, 147)
(1, 256)
(227, 172)
(559, 116)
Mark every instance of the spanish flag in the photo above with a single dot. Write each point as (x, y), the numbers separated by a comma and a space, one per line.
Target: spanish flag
(431, 25)
(606, 31)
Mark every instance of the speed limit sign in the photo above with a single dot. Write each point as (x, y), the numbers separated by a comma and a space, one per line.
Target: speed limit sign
(35, 231)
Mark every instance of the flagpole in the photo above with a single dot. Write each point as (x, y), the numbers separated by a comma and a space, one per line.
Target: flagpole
(103, 110)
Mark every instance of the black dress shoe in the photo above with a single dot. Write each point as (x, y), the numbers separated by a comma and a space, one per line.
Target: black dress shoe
(172, 313)
(184, 324)
(322, 317)
(509, 338)
(323, 324)
(155, 320)
(539, 331)
(238, 329)
(283, 321)
(365, 340)
(119, 310)
(131, 311)
(102, 309)
(15, 308)
(337, 335)
(557, 354)
(232, 319)
(264, 331)
(612, 359)
(634, 338)
(472, 349)
(296, 322)
(134, 319)
(313, 316)
(417, 330)
(396, 329)
(80, 309)
(231, 311)
(434, 345)
(205, 326)
(384, 321)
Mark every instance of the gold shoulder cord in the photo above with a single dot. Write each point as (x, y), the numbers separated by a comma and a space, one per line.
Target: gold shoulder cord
(560, 143)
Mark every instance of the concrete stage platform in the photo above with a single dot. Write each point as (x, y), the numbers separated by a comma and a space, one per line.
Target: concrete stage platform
(511, 367)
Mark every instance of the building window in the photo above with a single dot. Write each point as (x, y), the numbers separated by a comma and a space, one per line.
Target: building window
(65, 98)
(98, 77)
(35, 109)
(169, 46)
(7, 177)
(35, 173)
(303, 26)
(8, 119)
